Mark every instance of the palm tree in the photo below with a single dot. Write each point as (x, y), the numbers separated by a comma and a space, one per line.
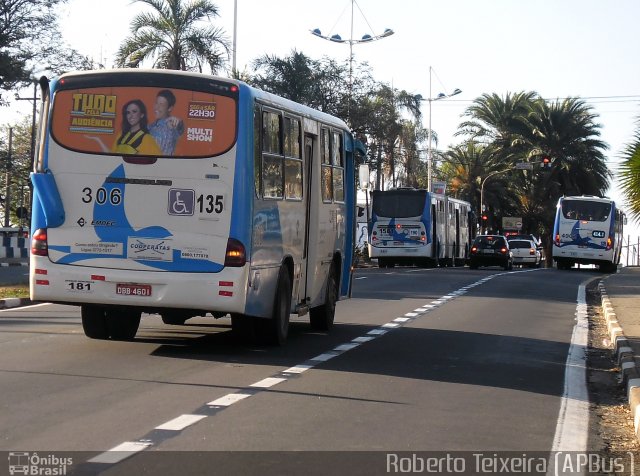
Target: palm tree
(629, 174)
(567, 132)
(497, 120)
(299, 78)
(174, 36)
(465, 168)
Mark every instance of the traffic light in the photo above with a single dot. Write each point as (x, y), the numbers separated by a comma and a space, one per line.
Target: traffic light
(546, 163)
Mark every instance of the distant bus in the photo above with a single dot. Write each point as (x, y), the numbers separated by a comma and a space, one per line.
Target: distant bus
(414, 227)
(185, 194)
(588, 230)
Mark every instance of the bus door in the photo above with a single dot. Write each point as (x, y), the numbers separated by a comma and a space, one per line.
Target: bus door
(457, 247)
(307, 193)
(434, 231)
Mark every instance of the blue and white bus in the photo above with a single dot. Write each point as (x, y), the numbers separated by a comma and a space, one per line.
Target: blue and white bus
(588, 230)
(185, 194)
(414, 227)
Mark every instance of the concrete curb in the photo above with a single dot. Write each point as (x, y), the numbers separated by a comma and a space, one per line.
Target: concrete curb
(629, 373)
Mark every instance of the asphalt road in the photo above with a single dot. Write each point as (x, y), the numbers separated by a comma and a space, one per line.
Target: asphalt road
(442, 360)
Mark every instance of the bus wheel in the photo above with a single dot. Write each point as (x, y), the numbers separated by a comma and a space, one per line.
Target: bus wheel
(322, 317)
(123, 323)
(277, 328)
(173, 318)
(94, 322)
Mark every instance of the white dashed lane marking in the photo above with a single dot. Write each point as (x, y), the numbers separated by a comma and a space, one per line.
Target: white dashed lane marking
(129, 448)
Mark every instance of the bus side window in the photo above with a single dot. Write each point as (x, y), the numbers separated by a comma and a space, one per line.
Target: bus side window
(325, 158)
(272, 160)
(293, 159)
(337, 162)
(257, 152)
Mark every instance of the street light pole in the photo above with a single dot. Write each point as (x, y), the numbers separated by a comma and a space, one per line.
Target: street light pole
(430, 99)
(519, 166)
(235, 35)
(429, 157)
(351, 41)
(33, 119)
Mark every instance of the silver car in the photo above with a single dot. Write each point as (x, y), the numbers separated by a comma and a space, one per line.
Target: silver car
(525, 253)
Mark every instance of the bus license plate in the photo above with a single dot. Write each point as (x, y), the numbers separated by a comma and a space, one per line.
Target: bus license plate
(133, 289)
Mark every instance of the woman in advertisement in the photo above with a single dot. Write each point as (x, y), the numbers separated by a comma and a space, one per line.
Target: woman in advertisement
(135, 137)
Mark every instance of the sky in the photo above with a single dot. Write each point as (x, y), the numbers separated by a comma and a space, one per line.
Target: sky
(558, 48)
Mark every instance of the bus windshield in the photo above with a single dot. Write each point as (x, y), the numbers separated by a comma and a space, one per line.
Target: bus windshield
(399, 203)
(158, 121)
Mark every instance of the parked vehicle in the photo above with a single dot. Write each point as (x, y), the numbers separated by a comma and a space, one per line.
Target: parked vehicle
(490, 250)
(525, 253)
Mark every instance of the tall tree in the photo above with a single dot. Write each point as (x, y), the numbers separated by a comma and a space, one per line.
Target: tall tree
(30, 40)
(629, 174)
(296, 77)
(175, 35)
(14, 167)
(566, 131)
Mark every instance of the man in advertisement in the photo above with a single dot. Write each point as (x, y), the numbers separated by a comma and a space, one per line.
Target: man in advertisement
(166, 129)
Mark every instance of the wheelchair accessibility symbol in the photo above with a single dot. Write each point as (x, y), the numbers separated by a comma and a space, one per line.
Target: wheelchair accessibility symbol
(181, 201)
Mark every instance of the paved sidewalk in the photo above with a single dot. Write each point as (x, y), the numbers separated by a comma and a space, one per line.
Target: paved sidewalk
(620, 294)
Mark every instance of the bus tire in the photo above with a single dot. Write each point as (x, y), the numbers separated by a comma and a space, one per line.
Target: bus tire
(123, 323)
(276, 328)
(322, 317)
(94, 322)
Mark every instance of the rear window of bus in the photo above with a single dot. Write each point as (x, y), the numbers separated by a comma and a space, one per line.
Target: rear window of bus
(144, 121)
(586, 210)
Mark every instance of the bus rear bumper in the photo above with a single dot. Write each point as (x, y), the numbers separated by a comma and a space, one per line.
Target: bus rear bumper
(219, 292)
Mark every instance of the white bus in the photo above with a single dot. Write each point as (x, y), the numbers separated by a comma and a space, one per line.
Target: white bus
(185, 194)
(414, 227)
(588, 230)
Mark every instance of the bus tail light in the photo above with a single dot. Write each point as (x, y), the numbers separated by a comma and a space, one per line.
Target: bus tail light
(609, 243)
(557, 240)
(235, 255)
(39, 246)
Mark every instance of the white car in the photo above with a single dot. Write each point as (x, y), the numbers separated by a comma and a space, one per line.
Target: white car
(525, 253)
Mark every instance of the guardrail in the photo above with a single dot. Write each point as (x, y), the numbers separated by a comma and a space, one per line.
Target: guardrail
(15, 245)
(630, 254)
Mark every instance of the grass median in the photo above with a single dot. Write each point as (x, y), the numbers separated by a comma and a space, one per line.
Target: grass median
(14, 291)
